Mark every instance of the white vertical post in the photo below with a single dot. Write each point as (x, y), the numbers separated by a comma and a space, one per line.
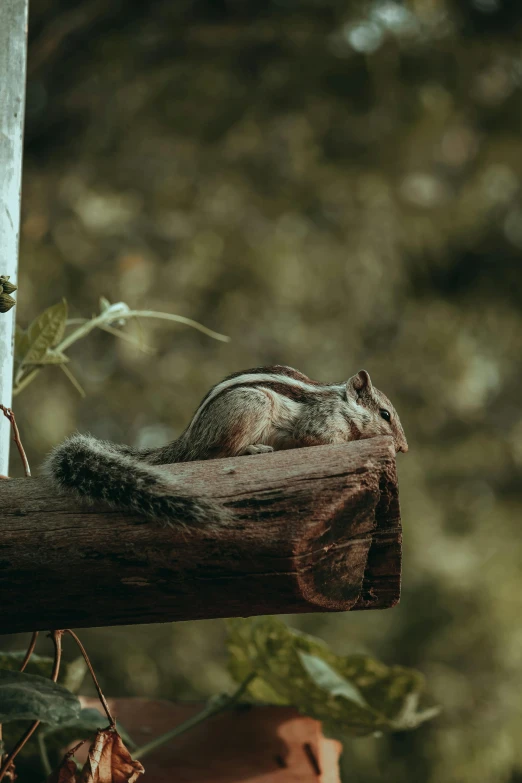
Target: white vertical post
(13, 51)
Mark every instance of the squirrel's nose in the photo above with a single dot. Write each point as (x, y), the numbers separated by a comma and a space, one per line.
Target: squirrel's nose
(403, 447)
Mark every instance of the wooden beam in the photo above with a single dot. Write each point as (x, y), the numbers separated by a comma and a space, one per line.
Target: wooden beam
(13, 49)
(315, 529)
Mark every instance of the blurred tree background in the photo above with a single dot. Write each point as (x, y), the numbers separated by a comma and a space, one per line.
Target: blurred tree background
(335, 185)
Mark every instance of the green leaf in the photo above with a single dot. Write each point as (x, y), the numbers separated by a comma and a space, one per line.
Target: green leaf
(84, 726)
(38, 664)
(55, 739)
(74, 676)
(21, 345)
(329, 680)
(71, 674)
(45, 332)
(353, 694)
(52, 357)
(32, 697)
(410, 716)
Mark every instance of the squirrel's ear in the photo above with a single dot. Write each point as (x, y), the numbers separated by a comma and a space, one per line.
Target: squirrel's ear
(359, 382)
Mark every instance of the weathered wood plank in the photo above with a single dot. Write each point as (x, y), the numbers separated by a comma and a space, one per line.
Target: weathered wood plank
(13, 47)
(315, 529)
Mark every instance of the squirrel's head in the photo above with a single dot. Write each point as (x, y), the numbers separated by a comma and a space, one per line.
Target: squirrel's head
(378, 416)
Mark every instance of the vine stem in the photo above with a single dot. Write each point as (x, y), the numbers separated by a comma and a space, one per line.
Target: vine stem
(107, 318)
(30, 650)
(20, 385)
(214, 706)
(102, 698)
(57, 641)
(44, 756)
(8, 413)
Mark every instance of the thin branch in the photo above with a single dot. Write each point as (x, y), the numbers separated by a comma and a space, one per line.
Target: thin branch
(180, 319)
(102, 698)
(8, 413)
(105, 319)
(21, 382)
(109, 316)
(75, 382)
(44, 755)
(129, 338)
(57, 641)
(30, 650)
(214, 706)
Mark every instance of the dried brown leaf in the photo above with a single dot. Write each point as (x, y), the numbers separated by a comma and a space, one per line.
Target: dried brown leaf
(109, 761)
(66, 772)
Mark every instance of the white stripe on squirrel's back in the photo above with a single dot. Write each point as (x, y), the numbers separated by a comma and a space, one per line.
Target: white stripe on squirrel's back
(259, 379)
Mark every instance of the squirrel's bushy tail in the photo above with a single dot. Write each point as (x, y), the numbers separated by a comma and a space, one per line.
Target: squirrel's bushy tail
(98, 470)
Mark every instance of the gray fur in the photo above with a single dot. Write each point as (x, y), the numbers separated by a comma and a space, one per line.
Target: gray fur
(98, 470)
(253, 412)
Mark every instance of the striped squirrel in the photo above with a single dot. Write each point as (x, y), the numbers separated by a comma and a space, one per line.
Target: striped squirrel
(250, 412)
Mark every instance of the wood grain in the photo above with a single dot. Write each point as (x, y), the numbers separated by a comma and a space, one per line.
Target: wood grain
(315, 529)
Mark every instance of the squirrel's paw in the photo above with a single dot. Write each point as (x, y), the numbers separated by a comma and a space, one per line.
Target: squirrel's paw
(257, 448)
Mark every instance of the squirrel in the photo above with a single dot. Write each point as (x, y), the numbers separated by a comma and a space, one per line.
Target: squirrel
(252, 412)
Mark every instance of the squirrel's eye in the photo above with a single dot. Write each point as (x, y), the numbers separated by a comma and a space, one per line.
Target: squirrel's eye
(385, 414)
